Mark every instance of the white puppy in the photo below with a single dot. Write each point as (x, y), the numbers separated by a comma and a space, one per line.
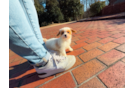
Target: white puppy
(62, 43)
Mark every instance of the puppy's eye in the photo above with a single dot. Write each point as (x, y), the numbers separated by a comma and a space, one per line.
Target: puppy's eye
(68, 31)
(62, 33)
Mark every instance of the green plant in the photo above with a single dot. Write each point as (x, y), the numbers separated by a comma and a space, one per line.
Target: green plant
(96, 7)
(54, 13)
(71, 9)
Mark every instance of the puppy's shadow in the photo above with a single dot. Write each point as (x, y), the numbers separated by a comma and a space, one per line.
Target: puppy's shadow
(58, 53)
(68, 51)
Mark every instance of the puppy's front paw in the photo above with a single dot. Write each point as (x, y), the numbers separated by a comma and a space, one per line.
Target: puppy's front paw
(62, 54)
(65, 55)
(70, 49)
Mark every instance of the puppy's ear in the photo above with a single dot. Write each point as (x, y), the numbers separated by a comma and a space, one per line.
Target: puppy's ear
(58, 33)
(73, 30)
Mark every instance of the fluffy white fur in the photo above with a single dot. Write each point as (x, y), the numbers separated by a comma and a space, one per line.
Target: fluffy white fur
(62, 43)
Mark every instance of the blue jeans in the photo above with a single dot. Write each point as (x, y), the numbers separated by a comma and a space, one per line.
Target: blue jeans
(25, 38)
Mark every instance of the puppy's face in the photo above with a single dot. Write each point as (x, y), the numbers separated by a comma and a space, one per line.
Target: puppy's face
(65, 33)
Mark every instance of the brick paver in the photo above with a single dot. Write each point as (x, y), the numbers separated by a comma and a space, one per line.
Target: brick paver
(93, 83)
(79, 45)
(120, 40)
(76, 52)
(108, 46)
(93, 40)
(105, 40)
(64, 81)
(99, 48)
(92, 46)
(117, 35)
(114, 77)
(82, 40)
(87, 70)
(90, 54)
(110, 57)
(123, 59)
(121, 48)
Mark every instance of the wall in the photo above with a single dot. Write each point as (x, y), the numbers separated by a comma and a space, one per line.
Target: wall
(113, 9)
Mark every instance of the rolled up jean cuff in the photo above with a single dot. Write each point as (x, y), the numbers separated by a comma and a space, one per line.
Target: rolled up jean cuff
(44, 60)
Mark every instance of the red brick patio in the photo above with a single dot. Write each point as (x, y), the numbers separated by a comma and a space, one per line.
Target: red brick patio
(99, 47)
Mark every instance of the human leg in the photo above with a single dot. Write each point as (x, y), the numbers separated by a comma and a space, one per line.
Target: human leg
(26, 41)
(22, 37)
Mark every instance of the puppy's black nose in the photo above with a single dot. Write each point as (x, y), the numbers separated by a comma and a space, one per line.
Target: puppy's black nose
(65, 35)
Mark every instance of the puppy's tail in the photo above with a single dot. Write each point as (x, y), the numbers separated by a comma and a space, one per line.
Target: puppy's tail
(44, 39)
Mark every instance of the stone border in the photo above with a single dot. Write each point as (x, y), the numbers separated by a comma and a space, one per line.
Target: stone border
(56, 24)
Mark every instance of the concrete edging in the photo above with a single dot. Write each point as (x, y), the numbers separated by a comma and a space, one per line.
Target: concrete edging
(57, 24)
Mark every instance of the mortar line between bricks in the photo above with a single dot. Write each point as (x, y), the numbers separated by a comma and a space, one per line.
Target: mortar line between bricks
(80, 59)
(100, 50)
(119, 46)
(122, 61)
(76, 83)
(84, 49)
(18, 60)
(86, 80)
(115, 62)
(97, 42)
(46, 82)
(92, 49)
(122, 43)
(104, 53)
(88, 38)
(12, 61)
(89, 60)
(14, 56)
(74, 42)
(101, 82)
(83, 52)
(119, 50)
(115, 37)
(115, 42)
(125, 52)
(110, 41)
(101, 62)
(95, 75)
(110, 49)
(82, 42)
(113, 49)
(98, 39)
(102, 46)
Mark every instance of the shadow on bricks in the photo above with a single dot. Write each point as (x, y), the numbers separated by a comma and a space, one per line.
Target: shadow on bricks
(20, 72)
(117, 22)
(25, 78)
